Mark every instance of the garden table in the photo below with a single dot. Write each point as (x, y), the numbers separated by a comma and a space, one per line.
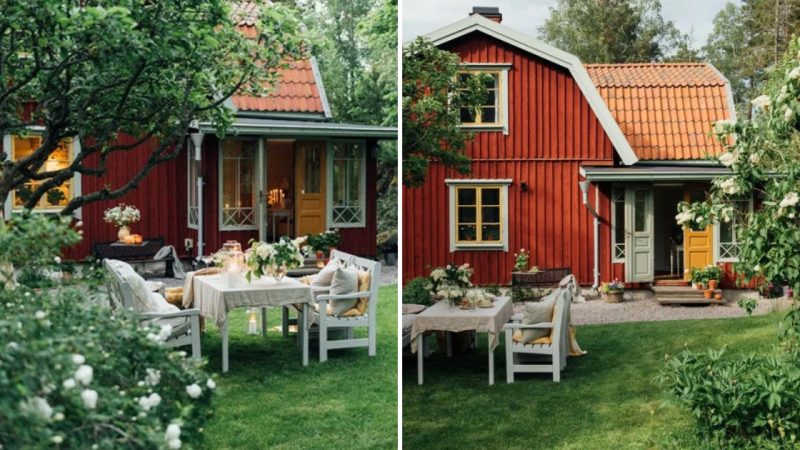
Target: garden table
(215, 296)
(443, 317)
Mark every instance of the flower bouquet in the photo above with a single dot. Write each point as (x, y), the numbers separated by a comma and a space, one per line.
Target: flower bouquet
(613, 291)
(122, 216)
(450, 282)
(273, 259)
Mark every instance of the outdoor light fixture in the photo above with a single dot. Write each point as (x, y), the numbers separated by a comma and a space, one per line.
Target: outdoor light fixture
(524, 186)
(197, 138)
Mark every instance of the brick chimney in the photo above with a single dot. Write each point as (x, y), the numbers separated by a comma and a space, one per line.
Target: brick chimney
(490, 12)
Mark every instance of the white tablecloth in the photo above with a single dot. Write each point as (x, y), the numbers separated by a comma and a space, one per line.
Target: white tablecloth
(441, 317)
(214, 296)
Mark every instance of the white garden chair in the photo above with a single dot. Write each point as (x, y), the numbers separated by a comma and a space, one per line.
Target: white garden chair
(556, 350)
(185, 323)
(326, 323)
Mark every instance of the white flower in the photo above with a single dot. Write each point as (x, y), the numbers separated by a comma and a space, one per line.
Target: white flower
(69, 383)
(173, 435)
(84, 374)
(683, 217)
(173, 444)
(57, 259)
(757, 268)
(788, 113)
(211, 384)
(89, 398)
(720, 125)
(794, 73)
(150, 402)
(761, 102)
(163, 334)
(728, 186)
(58, 417)
(77, 359)
(194, 390)
(37, 406)
(153, 377)
(754, 158)
(57, 439)
(728, 158)
(40, 315)
(437, 274)
(789, 200)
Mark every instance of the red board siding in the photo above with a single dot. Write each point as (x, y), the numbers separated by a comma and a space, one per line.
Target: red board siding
(552, 131)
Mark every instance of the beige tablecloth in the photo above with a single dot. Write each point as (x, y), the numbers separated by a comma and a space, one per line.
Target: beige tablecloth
(441, 317)
(214, 296)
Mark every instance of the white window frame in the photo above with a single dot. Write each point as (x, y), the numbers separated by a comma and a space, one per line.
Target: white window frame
(502, 109)
(453, 235)
(717, 257)
(615, 190)
(8, 207)
(362, 184)
(221, 184)
(191, 185)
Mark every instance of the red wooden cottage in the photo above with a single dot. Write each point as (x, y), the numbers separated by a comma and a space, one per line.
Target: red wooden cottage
(582, 165)
(284, 169)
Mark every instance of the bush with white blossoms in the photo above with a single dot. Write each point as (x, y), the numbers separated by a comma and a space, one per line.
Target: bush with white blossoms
(74, 374)
(122, 215)
(266, 259)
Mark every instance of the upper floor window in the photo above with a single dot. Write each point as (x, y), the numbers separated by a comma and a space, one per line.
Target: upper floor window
(493, 111)
(56, 198)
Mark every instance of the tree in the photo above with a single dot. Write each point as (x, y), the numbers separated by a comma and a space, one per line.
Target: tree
(433, 97)
(146, 69)
(612, 31)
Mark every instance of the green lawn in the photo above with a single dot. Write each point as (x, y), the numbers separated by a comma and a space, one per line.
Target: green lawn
(269, 400)
(606, 399)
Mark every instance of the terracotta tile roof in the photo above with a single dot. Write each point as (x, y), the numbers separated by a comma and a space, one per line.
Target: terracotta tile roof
(297, 90)
(665, 110)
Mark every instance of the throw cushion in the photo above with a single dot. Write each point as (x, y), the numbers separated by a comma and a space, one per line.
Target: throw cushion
(536, 312)
(345, 281)
(141, 294)
(325, 276)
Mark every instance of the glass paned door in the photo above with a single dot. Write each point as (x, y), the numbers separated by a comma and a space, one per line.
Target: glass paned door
(639, 236)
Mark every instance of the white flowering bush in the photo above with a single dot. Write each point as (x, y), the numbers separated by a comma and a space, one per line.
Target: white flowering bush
(267, 259)
(122, 215)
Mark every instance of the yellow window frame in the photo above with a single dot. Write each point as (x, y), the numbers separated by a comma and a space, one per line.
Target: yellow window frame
(53, 163)
(498, 101)
(479, 223)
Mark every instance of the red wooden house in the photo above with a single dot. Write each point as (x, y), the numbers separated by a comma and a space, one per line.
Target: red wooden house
(582, 165)
(284, 169)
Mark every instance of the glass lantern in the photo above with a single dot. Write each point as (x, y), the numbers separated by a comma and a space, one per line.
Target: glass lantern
(234, 265)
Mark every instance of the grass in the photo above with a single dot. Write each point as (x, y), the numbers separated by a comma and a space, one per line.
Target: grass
(606, 399)
(269, 400)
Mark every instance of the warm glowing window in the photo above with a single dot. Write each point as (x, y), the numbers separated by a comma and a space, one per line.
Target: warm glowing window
(238, 184)
(56, 198)
(490, 112)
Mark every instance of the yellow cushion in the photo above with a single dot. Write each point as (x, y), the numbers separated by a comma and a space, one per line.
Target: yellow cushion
(517, 336)
(364, 280)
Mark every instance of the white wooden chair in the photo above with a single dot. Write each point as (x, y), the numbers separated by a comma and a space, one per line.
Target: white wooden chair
(326, 323)
(185, 323)
(556, 350)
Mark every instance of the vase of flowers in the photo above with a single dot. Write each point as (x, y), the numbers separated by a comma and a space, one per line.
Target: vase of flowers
(274, 259)
(122, 216)
(613, 291)
(450, 283)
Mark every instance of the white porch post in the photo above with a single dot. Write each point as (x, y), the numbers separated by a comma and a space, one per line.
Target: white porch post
(197, 146)
(584, 185)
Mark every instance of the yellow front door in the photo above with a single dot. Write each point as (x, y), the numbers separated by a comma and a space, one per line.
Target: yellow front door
(697, 243)
(310, 170)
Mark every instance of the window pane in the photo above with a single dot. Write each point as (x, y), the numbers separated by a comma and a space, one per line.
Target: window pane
(640, 218)
(491, 214)
(467, 115)
(491, 99)
(490, 81)
(466, 233)
(348, 204)
(466, 214)
(491, 233)
(490, 197)
(238, 182)
(488, 115)
(619, 222)
(58, 159)
(466, 196)
(726, 232)
(313, 170)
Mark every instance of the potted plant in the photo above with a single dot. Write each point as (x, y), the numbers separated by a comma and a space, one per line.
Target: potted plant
(323, 243)
(707, 294)
(698, 277)
(613, 291)
(55, 196)
(122, 216)
(713, 274)
(521, 260)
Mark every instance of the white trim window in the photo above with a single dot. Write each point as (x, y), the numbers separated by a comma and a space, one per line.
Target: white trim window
(192, 174)
(618, 225)
(492, 115)
(237, 184)
(478, 214)
(20, 146)
(726, 248)
(347, 185)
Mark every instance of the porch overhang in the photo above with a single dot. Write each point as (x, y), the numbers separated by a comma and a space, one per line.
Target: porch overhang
(288, 128)
(652, 173)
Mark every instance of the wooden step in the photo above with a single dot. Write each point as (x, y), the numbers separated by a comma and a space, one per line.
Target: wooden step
(680, 295)
(689, 301)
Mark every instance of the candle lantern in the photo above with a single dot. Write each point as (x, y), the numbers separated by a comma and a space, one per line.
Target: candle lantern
(233, 265)
(252, 322)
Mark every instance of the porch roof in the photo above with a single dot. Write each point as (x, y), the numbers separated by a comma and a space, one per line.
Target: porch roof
(653, 173)
(288, 128)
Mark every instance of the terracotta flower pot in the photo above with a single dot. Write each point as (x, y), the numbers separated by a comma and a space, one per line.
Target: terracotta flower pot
(698, 286)
(707, 294)
(712, 284)
(718, 296)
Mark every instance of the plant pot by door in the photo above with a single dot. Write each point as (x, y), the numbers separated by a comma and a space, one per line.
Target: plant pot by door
(612, 297)
(712, 284)
(123, 232)
(707, 294)
(718, 296)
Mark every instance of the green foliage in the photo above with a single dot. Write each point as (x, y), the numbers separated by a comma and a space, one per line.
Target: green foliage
(748, 304)
(42, 333)
(431, 112)
(97, 70)
(55, 196)
(29, 239)
(416, 292)
(521, 294)
(493, 289)
(522, 260)
(323, 242)
(614, 31)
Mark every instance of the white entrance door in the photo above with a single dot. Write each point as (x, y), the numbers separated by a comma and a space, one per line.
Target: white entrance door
(639, 236)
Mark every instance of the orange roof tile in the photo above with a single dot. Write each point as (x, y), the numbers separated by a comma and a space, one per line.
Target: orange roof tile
(666, 111)
(297, 90)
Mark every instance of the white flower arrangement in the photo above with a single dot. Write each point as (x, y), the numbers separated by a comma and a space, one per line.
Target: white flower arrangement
(270, 259)
(122, 215)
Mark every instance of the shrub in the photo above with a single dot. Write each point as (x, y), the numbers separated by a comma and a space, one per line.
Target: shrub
(493, 289)
(416, 292)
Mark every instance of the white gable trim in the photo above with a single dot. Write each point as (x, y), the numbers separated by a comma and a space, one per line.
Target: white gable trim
(326, 107)
(728, 91)
(569, 61)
